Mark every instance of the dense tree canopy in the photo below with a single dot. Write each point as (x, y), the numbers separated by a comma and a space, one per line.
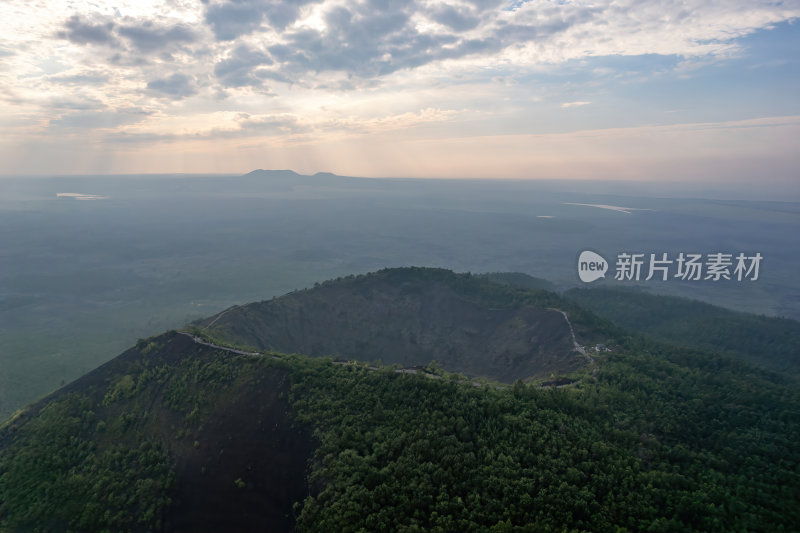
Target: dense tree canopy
(648, 445)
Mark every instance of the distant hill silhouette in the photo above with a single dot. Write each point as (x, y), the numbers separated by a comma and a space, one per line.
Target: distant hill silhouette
(287, 179)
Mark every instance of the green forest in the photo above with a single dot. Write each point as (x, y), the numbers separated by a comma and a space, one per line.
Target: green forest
(660, 439)
(770, 342)
(648, 437)
(650, 444)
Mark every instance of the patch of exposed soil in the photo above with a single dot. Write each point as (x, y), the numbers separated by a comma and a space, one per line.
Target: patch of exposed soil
(248, 467)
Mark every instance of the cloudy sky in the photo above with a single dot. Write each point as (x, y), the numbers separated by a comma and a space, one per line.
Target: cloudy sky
(627, 89)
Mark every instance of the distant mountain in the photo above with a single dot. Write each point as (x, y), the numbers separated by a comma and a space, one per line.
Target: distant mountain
(182, 434)
(273, 174)
(292, 178)
(412, 316)
(326, 175)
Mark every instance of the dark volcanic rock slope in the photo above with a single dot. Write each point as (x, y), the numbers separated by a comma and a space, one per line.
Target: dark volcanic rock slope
(411, 316)
(176, 436)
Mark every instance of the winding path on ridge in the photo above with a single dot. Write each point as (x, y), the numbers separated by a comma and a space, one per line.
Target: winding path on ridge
(579, 348)
(413, 370)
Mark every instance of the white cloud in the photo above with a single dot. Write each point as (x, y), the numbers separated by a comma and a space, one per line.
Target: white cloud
(566, 105)
(336, 67)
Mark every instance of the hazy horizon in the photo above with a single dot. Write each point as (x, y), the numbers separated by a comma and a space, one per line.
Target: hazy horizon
(425, 88)
(689, 189)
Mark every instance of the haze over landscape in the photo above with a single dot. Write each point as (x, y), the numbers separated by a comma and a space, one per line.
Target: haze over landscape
(83, 279)
(413, 265)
